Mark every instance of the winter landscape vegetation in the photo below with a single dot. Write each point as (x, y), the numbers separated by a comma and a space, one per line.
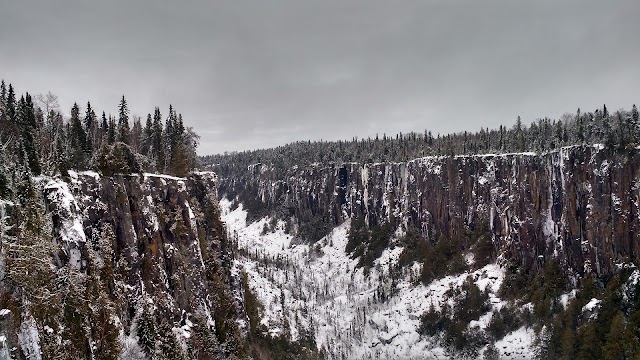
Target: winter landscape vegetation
(357, 183)
(119, 242)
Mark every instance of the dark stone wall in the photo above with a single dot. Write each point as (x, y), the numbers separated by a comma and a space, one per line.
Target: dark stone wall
(167, 243)
(578, 204)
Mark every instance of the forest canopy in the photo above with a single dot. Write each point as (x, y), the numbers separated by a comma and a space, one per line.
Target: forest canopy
(35, 139)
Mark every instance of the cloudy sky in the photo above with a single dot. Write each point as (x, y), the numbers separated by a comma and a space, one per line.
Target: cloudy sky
(254, 74)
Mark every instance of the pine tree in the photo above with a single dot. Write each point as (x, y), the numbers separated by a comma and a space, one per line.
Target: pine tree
(3, 95)
(29, 133)
(3, 108)
(147, 137)
(111, 134)
(168, 347)
(136, 135)
(179, 165)
(104, 129)
(77, 139)
(568, 343)
(607, 129)
(203, 341)
(90, 127)
(11, 114)
(104, 331)
(124, 131)
(580, 127)
(27, 256)
(147, 332)
(156, 145)
(614, 346)
(60, 158)
(519, 136)
(75, 311)
(589, 342)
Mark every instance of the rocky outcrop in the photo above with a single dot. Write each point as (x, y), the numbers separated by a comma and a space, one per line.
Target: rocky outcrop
(152, 244)
(161, 234)
(579, 204)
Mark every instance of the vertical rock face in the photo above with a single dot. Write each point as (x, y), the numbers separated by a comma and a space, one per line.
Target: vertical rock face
(159, 230)
(152, 241)
(578, 204)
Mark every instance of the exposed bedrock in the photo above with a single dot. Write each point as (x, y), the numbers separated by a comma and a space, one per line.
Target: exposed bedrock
(578, 204)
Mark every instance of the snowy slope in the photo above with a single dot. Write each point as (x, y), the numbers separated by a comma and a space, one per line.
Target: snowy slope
(326, 294)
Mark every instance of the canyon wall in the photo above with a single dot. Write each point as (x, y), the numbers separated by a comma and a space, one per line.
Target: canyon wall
(147, 248)
(579, 204)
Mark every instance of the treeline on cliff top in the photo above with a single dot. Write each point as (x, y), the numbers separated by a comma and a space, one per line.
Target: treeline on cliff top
(620, 130)
(35, 139)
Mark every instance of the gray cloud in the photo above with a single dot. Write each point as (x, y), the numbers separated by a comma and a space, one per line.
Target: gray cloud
(250, 74)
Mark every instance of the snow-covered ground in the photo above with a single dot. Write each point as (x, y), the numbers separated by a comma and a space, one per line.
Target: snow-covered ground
(325, 293)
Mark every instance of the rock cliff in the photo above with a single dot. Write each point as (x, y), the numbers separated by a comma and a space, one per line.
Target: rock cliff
(579, 204)
(153, 245)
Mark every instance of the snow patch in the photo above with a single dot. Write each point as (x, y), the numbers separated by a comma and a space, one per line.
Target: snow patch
(350, 313)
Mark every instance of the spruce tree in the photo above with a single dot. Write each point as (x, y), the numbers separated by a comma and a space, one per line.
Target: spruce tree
(157, 142)
(3, 107)
(9, 127)
(147, 137)
(104, 129)
(147, 332)
(614, 346)
(111, 133)
(3, 95)
(607, 129)
(78, 139)
(29, 133)
(136, 135)
(168, 347)
(124, 131)
(90, 127)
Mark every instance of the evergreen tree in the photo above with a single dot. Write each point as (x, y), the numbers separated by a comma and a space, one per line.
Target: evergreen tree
(147, 332)
(204, 342)
(3, 95)
(589, 342)
(104, 128)
(75, 337)
(168, 347)
(157, 143)
(635, 125)
(77, 139)
(607, 129)
(147, 137)
(124, 131)
(3, 108)
(136, 135)
(519, 137)
(614, 346)
(90, 127)
(11, 114)
(580, 127)
(111, 133)
(568, 343)
(29, 133)
(60, 158)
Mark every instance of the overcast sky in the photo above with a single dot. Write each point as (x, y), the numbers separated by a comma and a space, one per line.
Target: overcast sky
(255, 74)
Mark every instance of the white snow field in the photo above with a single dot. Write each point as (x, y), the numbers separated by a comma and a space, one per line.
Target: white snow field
(326, 294)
